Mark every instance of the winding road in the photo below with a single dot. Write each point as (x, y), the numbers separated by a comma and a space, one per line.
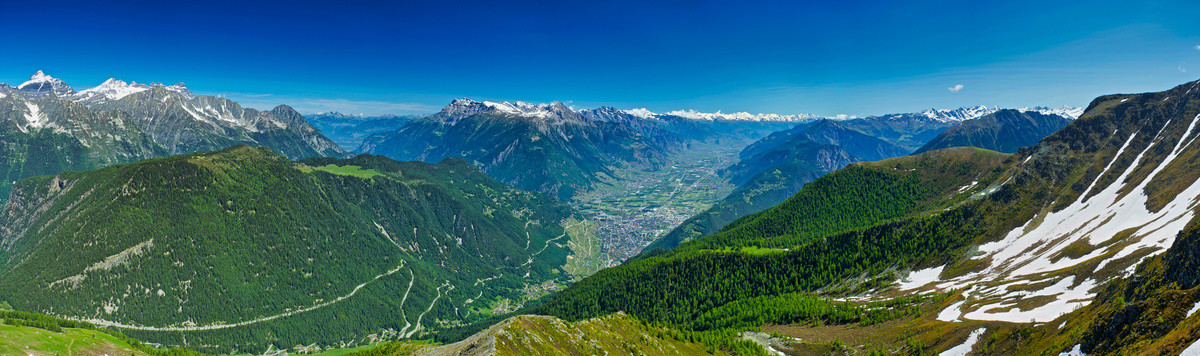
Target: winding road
(100, 322)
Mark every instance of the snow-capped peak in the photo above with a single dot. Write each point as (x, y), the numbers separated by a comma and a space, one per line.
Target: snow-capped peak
(960, 114)
(111, 89)
(460, 108)
(526, 109)
(178, 88)
(1069, 112)
(37, 78)
(739, 116)
(41, 83)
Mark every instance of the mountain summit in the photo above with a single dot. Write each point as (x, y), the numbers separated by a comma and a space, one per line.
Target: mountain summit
(546, 147)
(459, 109)
(52, 128)
(40, 83)
(1004, 131)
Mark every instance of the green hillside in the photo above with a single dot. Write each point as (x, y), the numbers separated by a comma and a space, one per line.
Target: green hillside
(243, 249)
(24, 333)
(836, 202)
(776, 167)
(616, 334)
(831, 231)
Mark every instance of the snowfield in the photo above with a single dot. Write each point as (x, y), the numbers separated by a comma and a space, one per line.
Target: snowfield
(1031, 257)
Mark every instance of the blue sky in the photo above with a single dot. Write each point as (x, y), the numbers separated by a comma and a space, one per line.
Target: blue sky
(825, 58)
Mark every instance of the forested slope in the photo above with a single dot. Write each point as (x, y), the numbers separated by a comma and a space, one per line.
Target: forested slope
(243, 248)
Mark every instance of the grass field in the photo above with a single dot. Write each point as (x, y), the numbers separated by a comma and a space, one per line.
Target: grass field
(353, 171)
(22, 340)
(759, 251)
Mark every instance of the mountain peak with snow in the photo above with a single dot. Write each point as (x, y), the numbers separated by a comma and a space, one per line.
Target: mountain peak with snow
(464, 107)
(178, 88)
(111, 89)
(973, 112)
(38, 77)
(1069, 112)
(41, 83)
(735, 116)
(958, 115)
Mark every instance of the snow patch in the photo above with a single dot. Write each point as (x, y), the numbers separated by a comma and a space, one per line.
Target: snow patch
(1193, 350)
(962, 350)
(1067, 299)
(1076, 351)
(972, 185)
(35, 117)
(1090, 220)
(952, 312)
(1195, 308)
(921, 278)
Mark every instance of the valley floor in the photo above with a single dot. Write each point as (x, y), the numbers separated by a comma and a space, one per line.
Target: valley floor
(637, 206)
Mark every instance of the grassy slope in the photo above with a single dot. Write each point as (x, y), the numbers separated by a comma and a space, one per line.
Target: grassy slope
(616, 334)
(24, 340)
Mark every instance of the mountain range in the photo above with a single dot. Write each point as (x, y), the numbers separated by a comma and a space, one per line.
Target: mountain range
(186, 220)
(48, 127)
(1005, 131)
(548, 148)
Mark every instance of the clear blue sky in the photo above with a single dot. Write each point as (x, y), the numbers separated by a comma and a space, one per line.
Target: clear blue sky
(826, 58)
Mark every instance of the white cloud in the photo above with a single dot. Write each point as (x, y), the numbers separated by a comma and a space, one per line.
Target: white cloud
(955, 88)
(1198, 47)
(1182, 69)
